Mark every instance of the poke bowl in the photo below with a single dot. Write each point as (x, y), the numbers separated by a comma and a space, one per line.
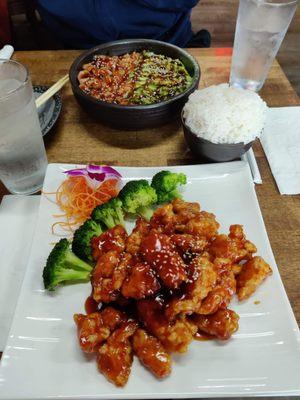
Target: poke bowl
(127, 115)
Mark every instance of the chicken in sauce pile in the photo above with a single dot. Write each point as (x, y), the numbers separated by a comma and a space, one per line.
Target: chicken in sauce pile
(170, 281)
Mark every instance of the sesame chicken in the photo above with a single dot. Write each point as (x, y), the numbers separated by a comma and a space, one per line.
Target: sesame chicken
(151, 353)
(159, 252)
(115, 357)
(140, 230)
(234, 247)
(171, 280)
(221, 324)
(112, 240)
(202, 279)
(253, 273)
(95, 328)
(109, 275)
(204, 224)
(174, 336)
(140, 283)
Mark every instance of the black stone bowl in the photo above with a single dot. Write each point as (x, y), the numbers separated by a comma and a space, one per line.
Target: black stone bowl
(219, 152)
(135, 116)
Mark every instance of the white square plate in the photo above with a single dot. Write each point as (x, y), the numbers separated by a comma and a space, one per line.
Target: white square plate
(43, 359)
(18, 215)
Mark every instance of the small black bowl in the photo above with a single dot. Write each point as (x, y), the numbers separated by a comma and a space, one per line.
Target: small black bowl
(135, 116)
(207, 150)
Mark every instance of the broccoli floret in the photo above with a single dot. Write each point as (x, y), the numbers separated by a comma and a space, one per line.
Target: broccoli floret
(109, 214)
(63, 266)
(138, 197)
(81, 244)
(166, 184)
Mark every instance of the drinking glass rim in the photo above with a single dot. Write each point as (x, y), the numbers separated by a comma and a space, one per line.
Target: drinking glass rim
(269, 2)
(22, 82)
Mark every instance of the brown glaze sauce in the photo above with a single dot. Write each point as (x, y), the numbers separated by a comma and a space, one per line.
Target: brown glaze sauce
(91, 305)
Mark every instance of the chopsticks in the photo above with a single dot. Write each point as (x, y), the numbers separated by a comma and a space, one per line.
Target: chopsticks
(7, 51)
(51, 91)
(249, 157)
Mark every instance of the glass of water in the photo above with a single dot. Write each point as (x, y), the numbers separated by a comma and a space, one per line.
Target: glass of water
(23, 160)
(260, 28)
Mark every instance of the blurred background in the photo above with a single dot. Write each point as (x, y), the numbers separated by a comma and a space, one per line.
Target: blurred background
(217, 16)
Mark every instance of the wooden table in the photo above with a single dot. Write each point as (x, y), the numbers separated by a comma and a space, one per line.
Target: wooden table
(77, 139)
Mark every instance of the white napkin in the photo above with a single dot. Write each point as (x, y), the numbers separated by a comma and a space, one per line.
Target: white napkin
(17, 223)
(281, 143)
(6, 52)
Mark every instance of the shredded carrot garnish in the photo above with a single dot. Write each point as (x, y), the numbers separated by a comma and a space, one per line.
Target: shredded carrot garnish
(77, 199)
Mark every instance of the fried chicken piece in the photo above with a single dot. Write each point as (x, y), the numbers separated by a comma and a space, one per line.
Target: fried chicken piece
(115, 357)
(106, 264)
(158, 251)
(188, 246)
(185, 209)
(173, 217)
(225, 264)
(91, 331)
(111, 240)
(140, 230)
(236, 268)
(253, 273)
(179, 305)
(221, 295)
(151, 353)
(109, 274)
(184, 212)
(204, 224)
(237, 232)
(163, 219)
(104, 288)
(234, 247)
(213, 301)
(189, 324)
(175, 336)
(224, 247)
(202, 279)
(222, 324)
(221, 264)
(94, 328)
(140, 283)
(112, 317)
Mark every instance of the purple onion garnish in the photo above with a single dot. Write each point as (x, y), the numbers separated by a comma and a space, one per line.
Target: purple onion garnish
(95, 174)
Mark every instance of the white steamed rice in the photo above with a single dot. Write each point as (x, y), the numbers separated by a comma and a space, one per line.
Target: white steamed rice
(224, 114)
